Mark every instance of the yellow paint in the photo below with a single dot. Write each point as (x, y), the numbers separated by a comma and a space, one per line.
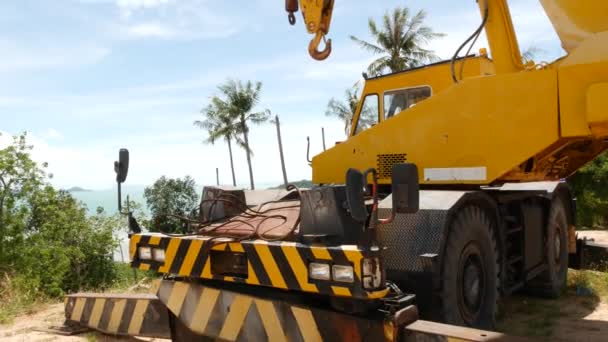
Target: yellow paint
(137, 318)
(252, 278)
(235, 318)
(584, 67)
(96, 312)
(597, 108)
(144, 267)
(206, 274)
(154, 240)
(78, 307)
(203, 310)
(575, 21)
(276, 278)
(236, 247)
(177, 296)
(320, 252)
(133, 241)
(300, 270)
(169, 255)
(116, 315)
(219, 246)
(341, 291)
(190, 258)
(378, 294)
(501, 36)
(355, 257)
(471, 124)
(271, 321)
(307, 324)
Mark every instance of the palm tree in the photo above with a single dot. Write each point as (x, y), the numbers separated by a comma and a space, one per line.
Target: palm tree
(400, 40)
(220, 125)
(239, 102)
(345, 110)
(529, 54)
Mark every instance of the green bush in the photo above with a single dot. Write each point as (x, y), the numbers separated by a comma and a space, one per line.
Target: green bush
(48, 245)
(589, 186)
(168, 198)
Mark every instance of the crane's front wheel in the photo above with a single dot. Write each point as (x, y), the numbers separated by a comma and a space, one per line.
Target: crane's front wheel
(470, 271)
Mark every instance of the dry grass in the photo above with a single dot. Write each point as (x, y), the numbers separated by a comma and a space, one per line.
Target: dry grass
(524, 315)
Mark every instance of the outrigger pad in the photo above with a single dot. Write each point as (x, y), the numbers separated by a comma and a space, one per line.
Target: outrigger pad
(128, 315)
(233, 316)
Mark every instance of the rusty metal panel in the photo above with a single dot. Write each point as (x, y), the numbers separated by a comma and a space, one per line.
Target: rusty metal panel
(119, 314)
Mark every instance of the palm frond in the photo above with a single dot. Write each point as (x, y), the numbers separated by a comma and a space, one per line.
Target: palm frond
(368, 46)
(401, 40)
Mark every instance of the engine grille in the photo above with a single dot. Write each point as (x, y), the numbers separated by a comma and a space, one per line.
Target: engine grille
(386, 162)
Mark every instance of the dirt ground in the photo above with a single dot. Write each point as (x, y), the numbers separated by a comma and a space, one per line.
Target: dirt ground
(571, 318)
(24, 328)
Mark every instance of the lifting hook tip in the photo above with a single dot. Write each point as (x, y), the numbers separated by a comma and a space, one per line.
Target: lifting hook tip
(313, 47)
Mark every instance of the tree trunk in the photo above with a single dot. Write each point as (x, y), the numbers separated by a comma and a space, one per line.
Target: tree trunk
(281, 151)
(231, 162)
(247, 149)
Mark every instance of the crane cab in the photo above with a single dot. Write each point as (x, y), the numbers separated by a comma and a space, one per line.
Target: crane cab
(386, 96)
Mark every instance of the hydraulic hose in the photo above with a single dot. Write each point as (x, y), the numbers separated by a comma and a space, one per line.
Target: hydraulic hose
(473, 37)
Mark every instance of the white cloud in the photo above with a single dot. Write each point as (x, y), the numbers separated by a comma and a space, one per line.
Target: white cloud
(24, 56)
(53, 134)
(127, 7)
(183, 20)
(151, 30)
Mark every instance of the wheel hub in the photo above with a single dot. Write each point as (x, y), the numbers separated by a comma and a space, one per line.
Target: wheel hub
(472, 275)
(471, 278)
(557, 245)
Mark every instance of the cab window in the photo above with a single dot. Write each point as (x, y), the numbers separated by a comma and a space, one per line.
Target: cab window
(398, 100)
(368, 116)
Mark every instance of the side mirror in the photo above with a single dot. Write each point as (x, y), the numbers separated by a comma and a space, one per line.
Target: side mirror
(406, 189)
(121, 167)
(355, 189)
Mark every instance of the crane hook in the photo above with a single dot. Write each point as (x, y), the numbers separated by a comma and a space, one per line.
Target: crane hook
(313, 47)
(291, 6)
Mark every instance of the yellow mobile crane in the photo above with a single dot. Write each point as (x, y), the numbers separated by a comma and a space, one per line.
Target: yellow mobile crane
(460, 202)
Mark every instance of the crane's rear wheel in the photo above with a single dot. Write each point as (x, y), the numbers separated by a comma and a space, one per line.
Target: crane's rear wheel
(552, 282)
(470, 271)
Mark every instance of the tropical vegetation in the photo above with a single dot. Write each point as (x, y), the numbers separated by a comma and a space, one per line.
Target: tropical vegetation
(400, 40)
(228, 116)
(345, 109)
(48, 244)
(170, 200)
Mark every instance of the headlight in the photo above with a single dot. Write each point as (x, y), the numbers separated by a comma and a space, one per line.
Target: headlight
(343, 273)
(145, 253)
(158, 254)
(372, 273)
(319, 271)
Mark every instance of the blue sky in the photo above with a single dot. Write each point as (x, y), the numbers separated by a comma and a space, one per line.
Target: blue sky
(86, 77)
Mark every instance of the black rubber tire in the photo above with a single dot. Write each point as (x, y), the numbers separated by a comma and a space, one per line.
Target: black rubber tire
(552, 282)
(471, 240)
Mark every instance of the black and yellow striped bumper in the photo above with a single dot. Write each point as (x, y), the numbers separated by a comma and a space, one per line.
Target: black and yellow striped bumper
(133, 315)
(282, 265)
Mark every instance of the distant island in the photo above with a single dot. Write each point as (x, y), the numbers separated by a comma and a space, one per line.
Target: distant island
(304, 183)
(77, 189)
